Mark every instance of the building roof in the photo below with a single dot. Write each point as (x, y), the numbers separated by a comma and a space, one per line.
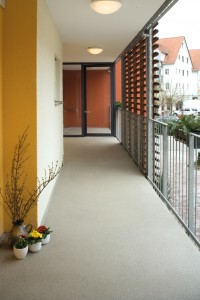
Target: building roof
(170, 47)
(195, 57)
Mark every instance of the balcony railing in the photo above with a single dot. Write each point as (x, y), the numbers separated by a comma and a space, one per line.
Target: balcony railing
(170, 162)
(176, 174)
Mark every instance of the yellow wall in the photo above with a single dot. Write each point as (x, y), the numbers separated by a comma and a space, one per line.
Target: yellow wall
(20, 30)
(1, 107)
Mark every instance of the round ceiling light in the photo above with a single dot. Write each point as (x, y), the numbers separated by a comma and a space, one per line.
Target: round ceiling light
(105, 6)
(94, 50)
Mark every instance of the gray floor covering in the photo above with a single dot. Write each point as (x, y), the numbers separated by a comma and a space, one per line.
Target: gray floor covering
(112, 239)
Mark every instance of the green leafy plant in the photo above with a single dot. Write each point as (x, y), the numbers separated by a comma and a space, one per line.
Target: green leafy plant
(118, 104)
(187, 124)
(21, 242)
(17, 200)
(34, 237)
(44, 231)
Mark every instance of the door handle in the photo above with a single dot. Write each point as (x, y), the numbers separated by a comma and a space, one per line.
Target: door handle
(87, 111)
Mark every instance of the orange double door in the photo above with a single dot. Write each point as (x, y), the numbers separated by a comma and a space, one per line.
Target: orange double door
(88, 100)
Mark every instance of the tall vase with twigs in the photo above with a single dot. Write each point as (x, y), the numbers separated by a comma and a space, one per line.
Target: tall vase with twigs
(17, 200)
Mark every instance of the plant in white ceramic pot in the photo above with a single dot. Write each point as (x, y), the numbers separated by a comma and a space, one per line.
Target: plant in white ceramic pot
(20, 247)
(46, 233)
(35, 240)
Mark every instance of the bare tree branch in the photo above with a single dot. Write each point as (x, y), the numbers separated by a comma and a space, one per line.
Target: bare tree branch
(16, 200)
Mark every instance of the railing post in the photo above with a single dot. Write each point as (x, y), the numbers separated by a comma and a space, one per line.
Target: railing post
(191, 204)
(149, 95)
(150, 149)
(165, 162)
(138, 139)
(131, 134)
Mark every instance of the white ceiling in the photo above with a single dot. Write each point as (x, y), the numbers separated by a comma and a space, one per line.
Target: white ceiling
(80, 27)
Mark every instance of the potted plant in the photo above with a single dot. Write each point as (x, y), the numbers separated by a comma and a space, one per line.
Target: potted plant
(184, 125)
(46, 234)
(188, 123)
(17, 199)
(118, 104)
(20, 247)
(34, 240)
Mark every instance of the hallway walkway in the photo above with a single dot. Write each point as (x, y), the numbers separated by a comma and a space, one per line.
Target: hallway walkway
(113, 238)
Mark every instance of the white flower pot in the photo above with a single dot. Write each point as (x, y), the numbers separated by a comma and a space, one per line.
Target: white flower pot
(46, 240)
(20, 253)
(35, 247)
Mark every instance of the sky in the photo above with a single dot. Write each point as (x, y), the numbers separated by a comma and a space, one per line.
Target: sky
(183, 19)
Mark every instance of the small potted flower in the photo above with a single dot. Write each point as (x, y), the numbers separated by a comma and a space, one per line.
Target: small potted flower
(45, 231)
(34, 240)
(20, 247)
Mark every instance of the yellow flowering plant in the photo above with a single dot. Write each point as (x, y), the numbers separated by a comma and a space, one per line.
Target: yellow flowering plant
(34, 237)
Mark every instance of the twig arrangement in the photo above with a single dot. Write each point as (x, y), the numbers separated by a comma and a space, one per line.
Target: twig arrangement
(17, 201)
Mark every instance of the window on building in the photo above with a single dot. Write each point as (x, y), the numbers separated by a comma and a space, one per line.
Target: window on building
(183, 72)
(187, 73)
(179, 57)
(183, 86)
(167, 86)
(179, 71)
(166, 71)
(182, 58)
(187, 60)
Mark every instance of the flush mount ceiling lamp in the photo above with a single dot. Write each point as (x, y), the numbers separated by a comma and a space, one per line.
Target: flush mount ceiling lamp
(105, 6)
(94, 50)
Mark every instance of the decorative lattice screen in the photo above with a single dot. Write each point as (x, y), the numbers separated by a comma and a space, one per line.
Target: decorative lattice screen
(135, 87)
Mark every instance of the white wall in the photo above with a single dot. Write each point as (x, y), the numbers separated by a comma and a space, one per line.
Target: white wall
(49, 116)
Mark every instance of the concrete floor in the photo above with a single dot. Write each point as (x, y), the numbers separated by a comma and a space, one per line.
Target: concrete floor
(78, 131)
(113, 238)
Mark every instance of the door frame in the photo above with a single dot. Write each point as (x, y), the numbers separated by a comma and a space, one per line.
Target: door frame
(84, 67)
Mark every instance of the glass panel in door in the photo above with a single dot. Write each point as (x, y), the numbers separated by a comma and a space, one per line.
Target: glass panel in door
(72, 107)
(98, 100)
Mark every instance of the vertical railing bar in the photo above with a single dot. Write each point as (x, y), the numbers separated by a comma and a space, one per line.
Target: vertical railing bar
(173, 166)
(175, 175)
(182, 189)
(134, 148)
(138, 140)
(165, 162)
(186, 192)
(170, 169)
(149, 97)
(179, 180)
(191, 184)
(131, 138)
(161, 156)
(196, 181)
